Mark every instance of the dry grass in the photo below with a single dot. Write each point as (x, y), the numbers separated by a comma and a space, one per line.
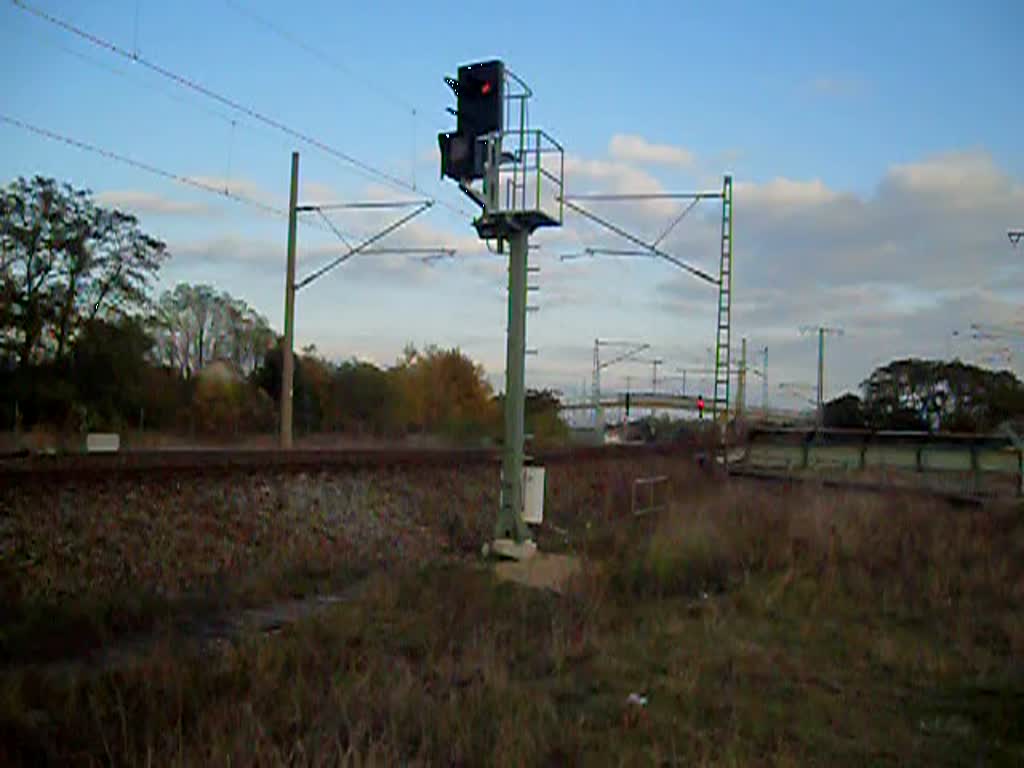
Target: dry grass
(909, 553)
(83, 563)
(765, 628)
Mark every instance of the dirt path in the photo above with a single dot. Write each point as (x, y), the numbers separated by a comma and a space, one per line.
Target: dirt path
(542, 571)
(208, 633)
(201, 635)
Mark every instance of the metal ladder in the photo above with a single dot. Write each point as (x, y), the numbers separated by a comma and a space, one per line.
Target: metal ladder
(723, 337)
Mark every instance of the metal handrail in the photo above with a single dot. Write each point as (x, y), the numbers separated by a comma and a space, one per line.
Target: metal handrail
(533, 145)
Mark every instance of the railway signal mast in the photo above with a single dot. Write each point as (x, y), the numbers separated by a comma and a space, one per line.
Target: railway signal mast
(520, 173)
(822, 331)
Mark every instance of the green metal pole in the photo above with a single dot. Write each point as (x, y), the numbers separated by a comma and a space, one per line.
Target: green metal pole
(741, 393)
(764, 382)
(510, 523)
(821, 378)
(537, 160)
(288, 363)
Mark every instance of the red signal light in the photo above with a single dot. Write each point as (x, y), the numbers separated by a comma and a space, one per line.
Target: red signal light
(486, 87)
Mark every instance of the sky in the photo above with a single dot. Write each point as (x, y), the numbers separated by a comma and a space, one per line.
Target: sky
(877, 151)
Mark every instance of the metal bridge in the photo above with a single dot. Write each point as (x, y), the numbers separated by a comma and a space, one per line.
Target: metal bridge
(637, 400)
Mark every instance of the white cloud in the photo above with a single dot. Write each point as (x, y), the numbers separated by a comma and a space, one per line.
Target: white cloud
(311, 192)
(246, 251)
(899, 268)
(588, 175)
(607, 176)
(966, 179)
(139, 201)
(631, 148)
(782, 193)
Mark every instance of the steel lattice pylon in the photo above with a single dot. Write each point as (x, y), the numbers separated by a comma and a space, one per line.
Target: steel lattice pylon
(723, 335)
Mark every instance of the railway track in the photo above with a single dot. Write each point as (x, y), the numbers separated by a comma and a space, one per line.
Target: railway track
(34, 468)
(176, 463)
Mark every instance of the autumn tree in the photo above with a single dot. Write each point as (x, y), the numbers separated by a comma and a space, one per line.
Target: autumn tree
(225, 404)
(443, 390)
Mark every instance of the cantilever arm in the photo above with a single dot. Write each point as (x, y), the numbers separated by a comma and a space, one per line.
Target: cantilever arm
(653, 249)
(361, 247)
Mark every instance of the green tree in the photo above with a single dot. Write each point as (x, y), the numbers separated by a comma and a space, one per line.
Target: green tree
(363, 398)
(939, 395)
(109, 368)
(845, 412)
(267, 377)
(64, 262)
(543, 417)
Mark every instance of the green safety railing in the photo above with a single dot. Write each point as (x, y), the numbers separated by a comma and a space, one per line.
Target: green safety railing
(524, 175)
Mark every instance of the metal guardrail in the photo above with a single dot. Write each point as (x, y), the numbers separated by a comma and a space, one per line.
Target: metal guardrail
(969, 461)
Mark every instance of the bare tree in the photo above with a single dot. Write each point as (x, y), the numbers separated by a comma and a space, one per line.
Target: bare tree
(195, 325)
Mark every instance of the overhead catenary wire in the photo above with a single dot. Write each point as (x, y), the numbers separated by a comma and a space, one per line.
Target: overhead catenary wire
(142, 165)
(192, 101)
(148, 87)
(372, 86)
(357, 164)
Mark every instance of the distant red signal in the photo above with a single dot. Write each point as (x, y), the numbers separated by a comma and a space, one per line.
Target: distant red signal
(486, 87)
